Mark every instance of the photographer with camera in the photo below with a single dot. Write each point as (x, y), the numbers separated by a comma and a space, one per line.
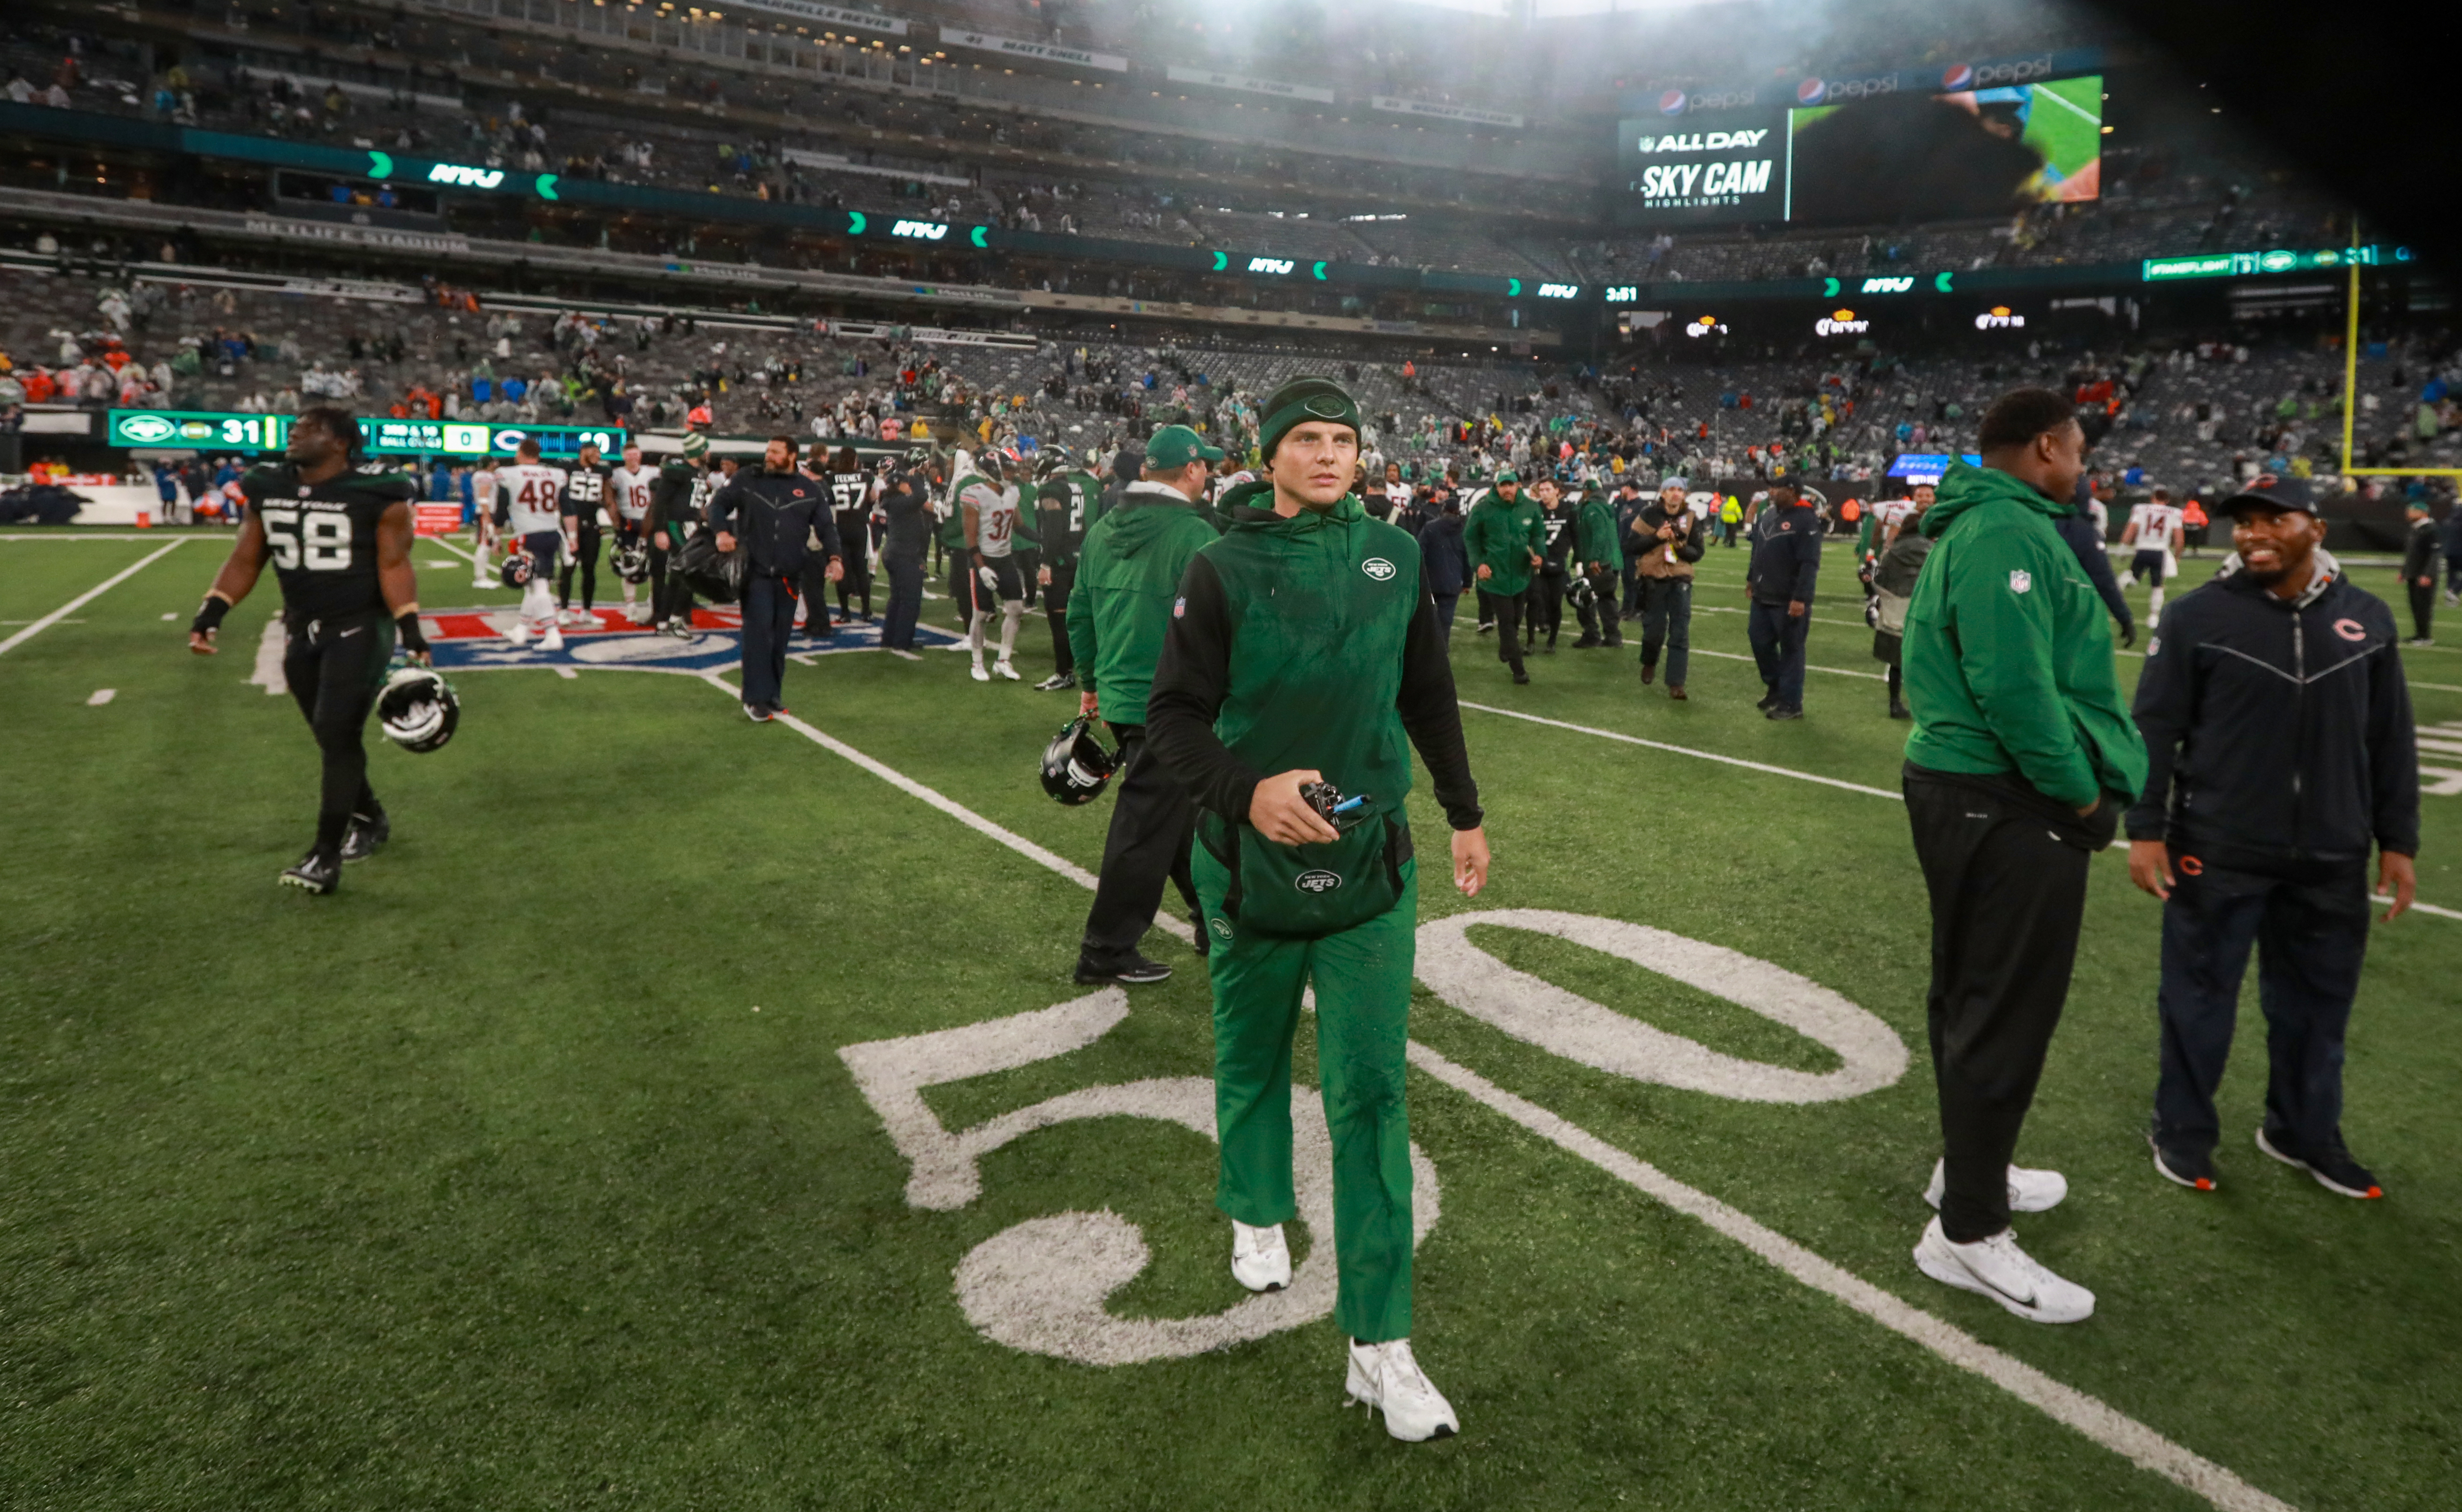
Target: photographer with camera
(1302, 647)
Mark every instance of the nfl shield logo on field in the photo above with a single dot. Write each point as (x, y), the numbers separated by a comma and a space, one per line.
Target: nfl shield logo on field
(2021, 581)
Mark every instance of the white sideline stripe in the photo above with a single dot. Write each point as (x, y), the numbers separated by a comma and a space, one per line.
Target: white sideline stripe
(1687, 750)
(1835, 672)
(2114, 1430)
(1799, 776)
(85, 598)
(2089, 1416)
(2418, 907)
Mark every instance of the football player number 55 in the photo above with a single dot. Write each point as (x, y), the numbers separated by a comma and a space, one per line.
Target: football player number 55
(321, 543)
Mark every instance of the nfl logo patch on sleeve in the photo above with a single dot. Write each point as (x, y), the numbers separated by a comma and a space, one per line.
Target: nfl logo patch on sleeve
(2021, 581)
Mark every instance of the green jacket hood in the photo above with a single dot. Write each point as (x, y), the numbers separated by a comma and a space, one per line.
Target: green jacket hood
(1241, 506)
(1144, 516)
(1965, 486)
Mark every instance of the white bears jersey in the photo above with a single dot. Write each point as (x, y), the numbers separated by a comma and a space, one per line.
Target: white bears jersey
(629, 490)
(530, 496)
(1887, 513)
(2154, 523)
(996, 518)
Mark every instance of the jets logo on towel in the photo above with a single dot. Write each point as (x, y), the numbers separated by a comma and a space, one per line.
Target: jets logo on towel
(2021, 581)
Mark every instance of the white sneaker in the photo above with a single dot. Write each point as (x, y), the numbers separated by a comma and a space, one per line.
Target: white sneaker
(554, 641)
(2029, 1190)
(959, 644)
(1007, 671)
(1385, 1377)
(520, 634)
(1997, 1269)
(981, 676)
(483, 580)
(1260, 1260)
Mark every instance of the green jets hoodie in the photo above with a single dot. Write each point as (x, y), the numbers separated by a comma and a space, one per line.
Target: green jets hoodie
(1501, 538)
(2008, 648)
(1128, 576)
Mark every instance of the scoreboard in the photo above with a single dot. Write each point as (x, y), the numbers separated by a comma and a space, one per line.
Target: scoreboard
(380, 436)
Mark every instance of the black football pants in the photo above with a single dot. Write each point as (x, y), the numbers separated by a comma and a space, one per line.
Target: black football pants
(1153, 819)
(2423, 608)
(335, 668)
(670, 596)
(1055, 609)
(1547, 603)
(585, 555)
(1508, 608)
(2310, 936)
(2008, 895)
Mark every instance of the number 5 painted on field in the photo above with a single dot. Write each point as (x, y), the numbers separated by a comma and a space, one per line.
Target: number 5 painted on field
(1040, 1286)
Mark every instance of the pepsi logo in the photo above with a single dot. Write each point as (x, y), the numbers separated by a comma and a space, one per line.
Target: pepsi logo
(1811, 92)
(1958, 76)
(2350, 630)
(1671, 103)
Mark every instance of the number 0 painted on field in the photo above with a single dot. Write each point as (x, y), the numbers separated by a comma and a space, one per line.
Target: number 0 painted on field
(1568, 1025)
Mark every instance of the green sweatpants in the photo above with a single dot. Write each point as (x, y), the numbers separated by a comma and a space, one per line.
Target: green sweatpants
(1362, 978)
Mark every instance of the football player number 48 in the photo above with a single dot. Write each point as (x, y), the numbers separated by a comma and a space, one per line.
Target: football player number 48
(1042, 1286)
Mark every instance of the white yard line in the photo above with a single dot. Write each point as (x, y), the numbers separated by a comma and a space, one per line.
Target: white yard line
(85, 598)
(1835, 672)
(2114, 1430)
(1687, 750)
(2074, 1409)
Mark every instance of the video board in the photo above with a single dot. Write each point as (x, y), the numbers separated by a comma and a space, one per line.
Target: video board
(380, 436)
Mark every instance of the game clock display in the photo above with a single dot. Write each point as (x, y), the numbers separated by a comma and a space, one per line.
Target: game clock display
(380, 436)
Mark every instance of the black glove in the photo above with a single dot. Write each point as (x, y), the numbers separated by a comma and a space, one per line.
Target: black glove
(406, 627)
(209, 615)
(2128, 636)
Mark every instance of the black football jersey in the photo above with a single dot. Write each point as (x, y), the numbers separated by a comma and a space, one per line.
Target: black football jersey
(1061, 516)
(849, 497)
(322, 539)
(585, 493)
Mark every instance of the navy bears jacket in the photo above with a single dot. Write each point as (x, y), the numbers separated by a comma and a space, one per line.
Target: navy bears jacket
(2279, 732)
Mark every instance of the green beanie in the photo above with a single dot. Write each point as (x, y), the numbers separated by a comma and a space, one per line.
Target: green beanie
(1303, 400)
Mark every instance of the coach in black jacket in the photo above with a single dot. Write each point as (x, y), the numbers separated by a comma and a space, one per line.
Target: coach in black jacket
(1786, 561)
(2279, 731)
(779, 512)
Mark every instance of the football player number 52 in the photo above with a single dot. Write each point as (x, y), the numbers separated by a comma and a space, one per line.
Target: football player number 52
(321, 543)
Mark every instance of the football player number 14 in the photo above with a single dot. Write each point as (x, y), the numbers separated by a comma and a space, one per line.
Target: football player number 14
(1042, 1286)
(321, 543)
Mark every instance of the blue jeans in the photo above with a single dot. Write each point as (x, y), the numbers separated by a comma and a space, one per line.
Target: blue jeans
(905, 604)
(1777, 650)
(2310, 938)
(768, 617)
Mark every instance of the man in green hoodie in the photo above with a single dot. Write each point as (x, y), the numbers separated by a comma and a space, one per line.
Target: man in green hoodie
(2022, 758)
(1303, 646)
(1128, 576)
(1505, 539)
(1601, 557)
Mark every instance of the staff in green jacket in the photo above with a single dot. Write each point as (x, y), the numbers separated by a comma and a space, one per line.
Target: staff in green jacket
(1127, 580)
(1505, 541)
(2022, 758)
(1303, 646)
(1602, 560)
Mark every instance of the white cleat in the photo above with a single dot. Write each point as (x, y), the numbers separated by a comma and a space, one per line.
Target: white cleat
(981, 676)
(958, 645)
(554, 638)
(1997, 1269)
(1385, 1377)
(1007, 671)
(1260, 1260)
(483, 580)
(2029, 1190)
(519, 635)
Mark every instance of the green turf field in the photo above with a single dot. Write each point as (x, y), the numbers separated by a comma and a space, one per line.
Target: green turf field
(526, 1172)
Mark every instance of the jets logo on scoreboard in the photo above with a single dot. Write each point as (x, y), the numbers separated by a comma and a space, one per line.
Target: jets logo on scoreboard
(1559, 291)
(920, 230)
(1270, 264)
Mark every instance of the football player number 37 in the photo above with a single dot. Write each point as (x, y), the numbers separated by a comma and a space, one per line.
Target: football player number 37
(1042, 1286)
(321, 543)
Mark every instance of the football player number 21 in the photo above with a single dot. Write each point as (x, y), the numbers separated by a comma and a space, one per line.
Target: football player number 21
(1041, 1285)
(321, 543)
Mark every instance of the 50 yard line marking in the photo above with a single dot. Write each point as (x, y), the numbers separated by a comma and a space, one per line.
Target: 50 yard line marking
(2089, 1416)
(86, 597)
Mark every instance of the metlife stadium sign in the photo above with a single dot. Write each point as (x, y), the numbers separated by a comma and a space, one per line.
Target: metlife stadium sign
(1704, 168)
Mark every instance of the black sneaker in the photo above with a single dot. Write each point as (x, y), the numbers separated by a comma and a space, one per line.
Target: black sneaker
(1783, 711)
(316, 873)
(757, 713)
(365, 835)
(1898, 710)
(1130, 970)
(2193, 1169)
(1768, 701)
(1590, 638)
(1521, 678)
(1487, 628)
(2331, 1165)
(1056, 681)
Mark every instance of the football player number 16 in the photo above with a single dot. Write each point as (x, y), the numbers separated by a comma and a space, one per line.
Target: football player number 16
(321, 543)
(1041, 1285)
